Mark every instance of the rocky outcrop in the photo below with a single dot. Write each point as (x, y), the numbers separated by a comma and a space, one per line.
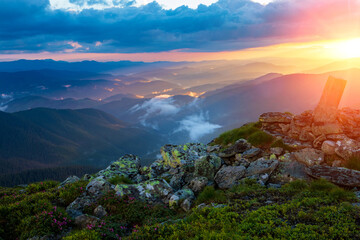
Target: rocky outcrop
(309, 156)
(337, 175)
(229, 176)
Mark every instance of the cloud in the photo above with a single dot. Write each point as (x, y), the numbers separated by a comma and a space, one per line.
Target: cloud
(155, 107)
(197, 126)
(34, 26)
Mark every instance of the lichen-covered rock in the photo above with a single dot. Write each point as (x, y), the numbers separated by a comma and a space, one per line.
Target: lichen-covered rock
(186, 204)
(337, 175)
(157, 168)
(98, 186)
(155, 190)
(182, 155)
(100, 211)
(261, 169)
(328, 147)
(77, 206)
(309, 156)
(198, 184)
(180, 195)
(240, 161)
(229, 176)
(69, 180)
(127, 166)
(207, 166)
(289, 171)
(239, 146)
(347, 147)
(177, 181)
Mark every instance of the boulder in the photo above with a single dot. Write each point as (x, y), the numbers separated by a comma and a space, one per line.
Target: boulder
(275, 117)
(98, 186)
(250, 153)
(182, 155)
(346, 148)
(239, 146)
(198, 184)
(100, 211)
(76, 208)
(229, 176)
(207, 166)
(240, 161)
(186, 204)
(157, 168)
(69, 180)
(154, 190)
(127, 166)
(277, 151)
(337, 175)
(289, 171)
(328, 147)
(180, 195)
(309, 156)
(261, 169)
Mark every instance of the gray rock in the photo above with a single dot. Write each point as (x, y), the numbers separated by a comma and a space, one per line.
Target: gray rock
(229, 176)
(214, 148)
(328, 147)
(157, 168)
(261, 169)
(275, 117)
(177, 181)
(186, 204)
(250, 153)
(180, 195)
(100, 211)
(76, 208)
(207, 166)
(69, 180)
(182, 155)
(98, 186)
(337, 175)
(239, 146)
(277, 151)
(154, 190)
(347, 148)
(240, 161)
(198, 184)
(309, 156)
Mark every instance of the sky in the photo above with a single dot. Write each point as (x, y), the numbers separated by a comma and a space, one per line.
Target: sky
(175, 30)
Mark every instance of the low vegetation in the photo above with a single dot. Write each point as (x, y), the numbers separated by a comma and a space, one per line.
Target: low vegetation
(298, 210)
(253, 134)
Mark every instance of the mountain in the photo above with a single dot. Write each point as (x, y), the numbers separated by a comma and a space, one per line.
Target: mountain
(30, 102)
(337, 66)
(45, 138)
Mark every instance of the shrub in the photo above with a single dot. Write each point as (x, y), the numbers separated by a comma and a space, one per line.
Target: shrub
(209, 195)
(45, 223)
(71, 191)
(260, 139)
(84, 234)
(353, 163)
(297, 186)
(41, 186)
(247, 186)
(120, 179)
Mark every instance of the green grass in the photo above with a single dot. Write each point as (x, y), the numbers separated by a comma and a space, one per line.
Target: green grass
(120, 179)
(211, 195)
(260, 139)
(243, 132)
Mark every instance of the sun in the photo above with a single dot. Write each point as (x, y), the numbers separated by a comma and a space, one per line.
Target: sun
(349, 48)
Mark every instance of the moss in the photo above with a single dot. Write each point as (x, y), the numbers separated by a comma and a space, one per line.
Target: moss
(84, 234)
(120, 179)
(260, 139)
(243, 132)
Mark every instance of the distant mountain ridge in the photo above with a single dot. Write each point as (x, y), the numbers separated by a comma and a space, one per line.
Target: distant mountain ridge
(45, 138)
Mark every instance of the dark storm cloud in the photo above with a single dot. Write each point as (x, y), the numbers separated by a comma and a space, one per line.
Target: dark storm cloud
(32, 26)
